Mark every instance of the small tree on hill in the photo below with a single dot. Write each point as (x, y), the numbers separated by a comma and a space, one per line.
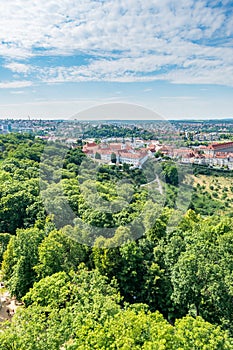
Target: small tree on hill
(113, 158)
(97, 156)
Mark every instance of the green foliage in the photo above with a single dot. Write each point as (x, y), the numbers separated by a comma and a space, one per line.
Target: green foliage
(19, 260)
(57, 309)
(97, 156)
(194, 333)
(20, 204)
(81, 311)
(113, 157)
(105, 130)
(202, 272)
(170, 174)
(184, 273)
(4, 240)
(75, 157)
(204, 204)
(59, 252)
(131, 263)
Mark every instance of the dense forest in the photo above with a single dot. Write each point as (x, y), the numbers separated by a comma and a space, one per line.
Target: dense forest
(80, 289)
(105, 130)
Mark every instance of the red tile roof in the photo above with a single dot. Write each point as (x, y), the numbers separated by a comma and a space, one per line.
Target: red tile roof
(219, 146)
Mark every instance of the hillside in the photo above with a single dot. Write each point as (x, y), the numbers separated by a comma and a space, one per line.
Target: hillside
(215, 193)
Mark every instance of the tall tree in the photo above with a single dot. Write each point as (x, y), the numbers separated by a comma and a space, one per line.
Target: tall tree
(19, 260)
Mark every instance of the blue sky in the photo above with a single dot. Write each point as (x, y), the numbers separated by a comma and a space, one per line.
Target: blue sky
(60, 57)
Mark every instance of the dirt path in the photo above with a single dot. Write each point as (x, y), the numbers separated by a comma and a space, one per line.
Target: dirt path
(8, 306)
(160, 188)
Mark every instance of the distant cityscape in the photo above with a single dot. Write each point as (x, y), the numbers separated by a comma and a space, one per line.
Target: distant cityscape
(208, 130)
(208, 143)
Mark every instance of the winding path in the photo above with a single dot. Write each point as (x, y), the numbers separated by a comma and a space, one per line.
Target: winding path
(160, 188)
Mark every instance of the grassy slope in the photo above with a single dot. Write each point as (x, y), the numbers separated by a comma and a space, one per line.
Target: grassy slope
(220, 188)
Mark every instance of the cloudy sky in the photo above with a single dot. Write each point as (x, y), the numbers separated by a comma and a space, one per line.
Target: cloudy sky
(60, 57)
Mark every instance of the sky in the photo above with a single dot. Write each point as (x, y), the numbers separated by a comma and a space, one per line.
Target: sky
(60, 57)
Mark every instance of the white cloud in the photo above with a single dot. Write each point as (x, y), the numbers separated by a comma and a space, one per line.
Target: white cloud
(128, 40)
(178, 98)
(17, 92)
(18, 67)
(15, 84)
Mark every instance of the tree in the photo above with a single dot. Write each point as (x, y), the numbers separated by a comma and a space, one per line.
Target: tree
(202, 272)
(4, 240)
(19, 260)
(113, 158)
(59, 252)
(59, 305)
(97, 156)
(195, 333)
(131, 263)
(74, 156)
(171, 174)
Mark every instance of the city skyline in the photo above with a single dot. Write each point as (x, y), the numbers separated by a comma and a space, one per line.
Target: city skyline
(59, 58)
